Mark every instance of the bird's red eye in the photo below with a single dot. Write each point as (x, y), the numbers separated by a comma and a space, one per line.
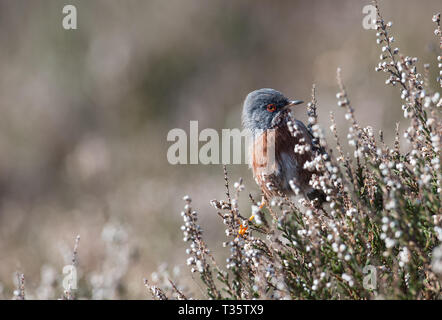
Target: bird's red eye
(271, 107)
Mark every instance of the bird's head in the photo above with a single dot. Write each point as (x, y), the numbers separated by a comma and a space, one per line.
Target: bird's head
(263, 106)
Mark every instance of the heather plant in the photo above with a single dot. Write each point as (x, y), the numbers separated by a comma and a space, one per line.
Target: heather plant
(378, 235)
(105, 283)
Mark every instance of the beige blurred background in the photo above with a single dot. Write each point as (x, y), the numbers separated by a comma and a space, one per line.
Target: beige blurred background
(84, 116)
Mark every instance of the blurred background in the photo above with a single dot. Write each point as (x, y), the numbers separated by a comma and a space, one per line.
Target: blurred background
(84, 116)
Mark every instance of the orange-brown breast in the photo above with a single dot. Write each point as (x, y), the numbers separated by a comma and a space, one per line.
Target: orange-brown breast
(275, 163)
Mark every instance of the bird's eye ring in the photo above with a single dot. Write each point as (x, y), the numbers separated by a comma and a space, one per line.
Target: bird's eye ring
(271, 107)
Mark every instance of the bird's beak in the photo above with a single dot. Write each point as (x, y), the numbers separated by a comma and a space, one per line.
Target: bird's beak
(293, 103)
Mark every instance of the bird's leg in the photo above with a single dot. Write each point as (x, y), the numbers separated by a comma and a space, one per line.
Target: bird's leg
(263, 202)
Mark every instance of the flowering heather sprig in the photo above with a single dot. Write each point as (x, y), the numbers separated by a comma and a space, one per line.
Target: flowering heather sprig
(67, 293)
(161, 278)
(311, 109)
(156, 292)
(179, 294)
(19, 293)
(107, 282)
(200, 257)
(75, 251)
(438, 32)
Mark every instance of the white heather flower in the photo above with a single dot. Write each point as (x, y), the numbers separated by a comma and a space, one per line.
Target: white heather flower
(258, 220)
(426, 178)
(404, 255)
(294, 187)
(438, 231)
(346, 277)
(389, 243)
(190, 261)
(390, 205)
(199, 266)
(430, 122)
(436, 261)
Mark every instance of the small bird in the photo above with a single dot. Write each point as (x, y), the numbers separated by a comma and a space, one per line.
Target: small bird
(280, 147)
